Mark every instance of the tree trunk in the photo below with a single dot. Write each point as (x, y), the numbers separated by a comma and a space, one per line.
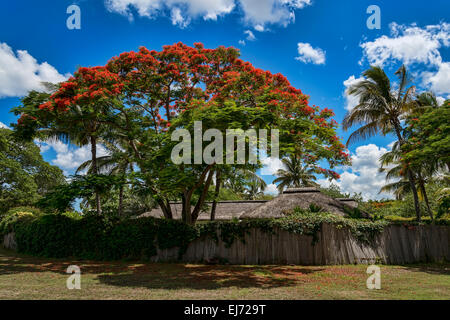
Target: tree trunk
(166, 209)
(95, 171)
(425, 197)
(412, 182)
(186, 206)
(216, 194)
(201, 200)
(411, 178)
(120, 201)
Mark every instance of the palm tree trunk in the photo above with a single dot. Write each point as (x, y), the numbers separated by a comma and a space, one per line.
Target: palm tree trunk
(216, 194)
(95, 171)
(412, 182)
(411, 178)
(425, 197)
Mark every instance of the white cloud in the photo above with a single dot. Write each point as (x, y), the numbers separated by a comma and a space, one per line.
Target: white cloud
(259, 13)
(208, 9)
(439, 82)
(250, 35)
(441, 100)
(3, 126)
(408, 44)
(308, 54)
(363, 175)
(351, 101)
(417, 48)
(271, 189)
(271, 166)
(20, 72)
(69, 157)
(256, 12)
(242, 42)
(391, 145)
(259, 28)
(178, 19)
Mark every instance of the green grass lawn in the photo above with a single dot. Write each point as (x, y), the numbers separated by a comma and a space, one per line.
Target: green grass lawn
(24, 277)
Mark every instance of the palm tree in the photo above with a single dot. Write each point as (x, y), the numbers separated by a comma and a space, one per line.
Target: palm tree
(296, 175)
(80, 129)
(242, 181)
(116, 162)
(401, 187)
(254, 187)
(381, 110)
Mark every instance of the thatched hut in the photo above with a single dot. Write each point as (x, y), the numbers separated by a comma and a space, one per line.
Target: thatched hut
(296, 197)
(225, 210)
(275, 208)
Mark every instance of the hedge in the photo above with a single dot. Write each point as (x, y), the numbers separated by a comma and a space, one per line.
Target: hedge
(97, 238)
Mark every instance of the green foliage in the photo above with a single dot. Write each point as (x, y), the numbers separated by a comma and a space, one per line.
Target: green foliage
(334, 192)
(444, 221)
(429, 139)
(24, 176)
(315, 208)
(62, 197)
(134, 202)
(95, 237)
(353, 213)
(307, 222)
(405, 207)
(296, 174)
(16, 216)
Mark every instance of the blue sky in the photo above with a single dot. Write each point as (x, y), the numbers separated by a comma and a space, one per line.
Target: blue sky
(330, 40)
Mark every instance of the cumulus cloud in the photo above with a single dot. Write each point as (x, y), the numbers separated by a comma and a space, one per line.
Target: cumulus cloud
(20, 72)
(271, 189)
(363, 175)
(441, 100)
(409, 44)
(308, 54)
(178, 19)
(260, 13)
(439, 82)
(271, 166)
(69, 157)
(351, 101)
(255, 12)
(184, 9)
(416, 47)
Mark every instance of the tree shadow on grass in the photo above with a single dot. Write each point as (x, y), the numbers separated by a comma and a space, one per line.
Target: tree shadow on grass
(201, 277)
(431, 268)
(164, 275)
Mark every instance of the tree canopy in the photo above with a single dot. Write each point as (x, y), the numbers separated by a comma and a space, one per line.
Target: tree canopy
(144, 96)
(24, 175)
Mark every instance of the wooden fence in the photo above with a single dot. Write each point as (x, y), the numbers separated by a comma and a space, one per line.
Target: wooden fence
(397, 244)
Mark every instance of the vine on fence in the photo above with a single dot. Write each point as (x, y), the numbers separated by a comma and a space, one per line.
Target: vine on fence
(95, 237)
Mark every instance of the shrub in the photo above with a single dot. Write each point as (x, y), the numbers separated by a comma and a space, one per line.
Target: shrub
(445, 220)
(10, 220)
(100, 238)
(33, 210)
(16, 215)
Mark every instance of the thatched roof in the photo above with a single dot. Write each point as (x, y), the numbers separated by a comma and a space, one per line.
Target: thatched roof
(225, 210)
(276, 208)
(348, 201)
(292, 198)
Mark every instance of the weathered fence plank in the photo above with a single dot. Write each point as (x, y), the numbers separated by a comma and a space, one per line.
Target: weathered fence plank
(397, 244)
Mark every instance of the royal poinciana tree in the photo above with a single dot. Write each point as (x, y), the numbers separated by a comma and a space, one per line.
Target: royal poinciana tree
(144, 96)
